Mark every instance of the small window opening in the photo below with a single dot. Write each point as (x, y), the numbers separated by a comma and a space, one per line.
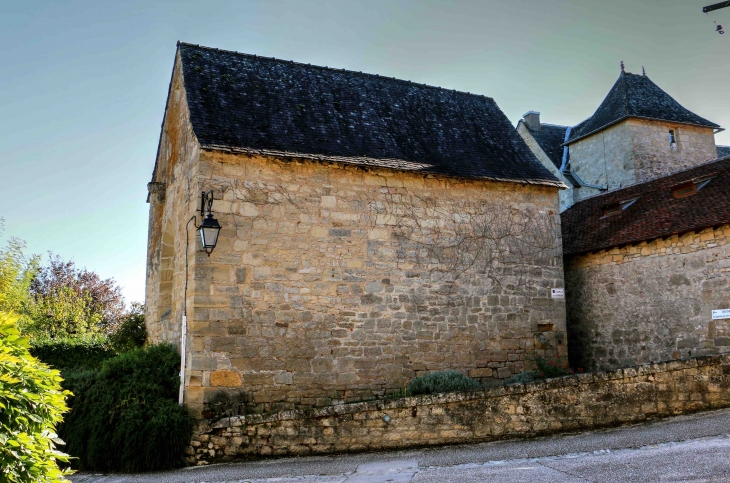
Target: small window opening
(672, 139)
(618, 208)
(685, 190)
(691, 187)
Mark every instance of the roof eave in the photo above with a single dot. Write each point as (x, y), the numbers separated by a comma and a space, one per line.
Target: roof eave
(599, 248)
(359, 162)
(605, 126)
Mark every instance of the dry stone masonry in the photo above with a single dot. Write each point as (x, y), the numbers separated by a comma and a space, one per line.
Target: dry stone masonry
(312, 297)
(573, 403)
(651, 301)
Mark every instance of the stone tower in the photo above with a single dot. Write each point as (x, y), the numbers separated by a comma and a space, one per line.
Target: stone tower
(638, 133)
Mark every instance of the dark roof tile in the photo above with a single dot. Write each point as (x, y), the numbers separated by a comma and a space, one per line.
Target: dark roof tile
(255, 104)
(550, 137)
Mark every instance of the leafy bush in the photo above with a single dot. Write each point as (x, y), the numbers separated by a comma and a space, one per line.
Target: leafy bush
(125, 416)
(522, 377)
(31, 404)
(440, 382)
(547, 369)
(131, 332)
(72, 353)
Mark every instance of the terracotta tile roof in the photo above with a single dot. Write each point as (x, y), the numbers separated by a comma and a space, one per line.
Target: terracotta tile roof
(247, 103)
(636, 96)
(550, 137)
(656, 212)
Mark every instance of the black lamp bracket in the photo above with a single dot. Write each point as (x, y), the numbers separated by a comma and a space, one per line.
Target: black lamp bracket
(206, 202)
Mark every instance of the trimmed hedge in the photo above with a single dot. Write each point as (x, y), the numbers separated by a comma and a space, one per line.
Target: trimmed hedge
(124, 416)
(72, 353)
(441, 382)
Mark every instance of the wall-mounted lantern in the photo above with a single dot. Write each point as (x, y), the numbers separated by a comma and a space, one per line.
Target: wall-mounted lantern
(210, 227)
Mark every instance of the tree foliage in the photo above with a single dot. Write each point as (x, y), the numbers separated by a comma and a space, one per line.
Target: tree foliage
(131, 331)
(16, 275)
(68, 301)
(31, 405)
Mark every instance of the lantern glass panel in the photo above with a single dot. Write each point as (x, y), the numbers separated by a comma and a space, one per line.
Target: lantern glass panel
(209, 236)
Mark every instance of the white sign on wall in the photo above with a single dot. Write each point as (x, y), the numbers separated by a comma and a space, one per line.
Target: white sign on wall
(557, 293)
(721, 314)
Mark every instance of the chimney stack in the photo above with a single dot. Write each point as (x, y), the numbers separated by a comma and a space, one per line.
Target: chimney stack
(532, 120)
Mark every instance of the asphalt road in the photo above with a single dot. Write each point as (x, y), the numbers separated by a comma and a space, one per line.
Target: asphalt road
(692, 448)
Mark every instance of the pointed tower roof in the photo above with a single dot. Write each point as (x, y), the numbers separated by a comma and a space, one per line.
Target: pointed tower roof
(636, 96)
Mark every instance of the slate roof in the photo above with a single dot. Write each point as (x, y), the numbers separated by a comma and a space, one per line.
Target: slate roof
(656, 212)
(247, 103)
(550, 137)
(723, 151)
(636, 95)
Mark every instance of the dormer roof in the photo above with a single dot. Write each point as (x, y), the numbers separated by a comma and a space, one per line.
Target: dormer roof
(636, 96)
(252, 104)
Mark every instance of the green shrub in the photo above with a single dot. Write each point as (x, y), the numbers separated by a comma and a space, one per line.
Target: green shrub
(31, 404)
(522, 377)
(547, 369)
(131, 332)
(440, 382)
(124, 416)
(72, 353)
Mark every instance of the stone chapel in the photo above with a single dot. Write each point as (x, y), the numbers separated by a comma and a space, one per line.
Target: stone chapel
(373, 229)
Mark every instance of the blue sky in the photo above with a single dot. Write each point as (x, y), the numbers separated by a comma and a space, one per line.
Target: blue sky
(83, 85)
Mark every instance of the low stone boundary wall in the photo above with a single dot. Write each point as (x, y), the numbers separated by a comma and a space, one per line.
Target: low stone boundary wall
(580, 402)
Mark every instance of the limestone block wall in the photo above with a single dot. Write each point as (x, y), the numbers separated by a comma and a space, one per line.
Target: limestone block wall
(637, 150)
(653, 155)
(604, 159)
(173, 199)
(573, 403)
(315, 295)
(566, 195)
(649, 302)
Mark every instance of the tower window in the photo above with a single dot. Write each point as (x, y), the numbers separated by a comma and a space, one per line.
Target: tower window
(672, 139)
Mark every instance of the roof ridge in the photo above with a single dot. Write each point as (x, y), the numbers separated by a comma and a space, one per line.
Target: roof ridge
(626, 92)
(333, 69)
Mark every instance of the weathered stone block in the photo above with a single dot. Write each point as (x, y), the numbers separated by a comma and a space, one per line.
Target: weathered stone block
(225, 378)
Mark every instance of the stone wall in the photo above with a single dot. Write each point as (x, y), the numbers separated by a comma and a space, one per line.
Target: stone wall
(573, 403)
(649, 302)
(637, 150)
(316, 294)
(566, 195)
(173, 198)
(653, 155)
(604, 159)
